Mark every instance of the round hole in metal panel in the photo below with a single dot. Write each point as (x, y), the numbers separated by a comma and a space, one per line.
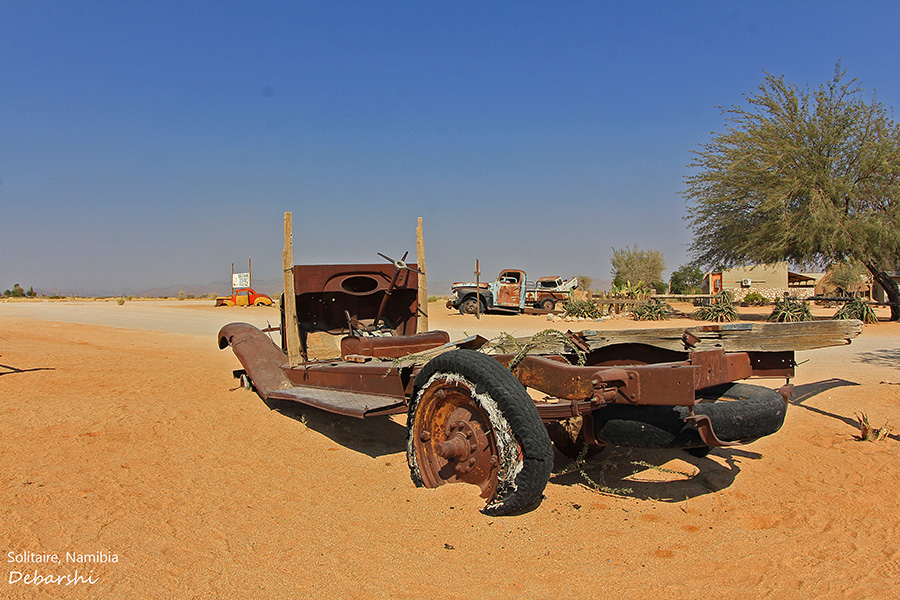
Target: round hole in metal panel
(360, 284)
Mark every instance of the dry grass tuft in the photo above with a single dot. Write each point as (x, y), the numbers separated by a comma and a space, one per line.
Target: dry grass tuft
(867, 433)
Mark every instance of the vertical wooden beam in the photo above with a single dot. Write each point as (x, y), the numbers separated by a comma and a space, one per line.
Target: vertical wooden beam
(477, 290)
(423, 280)
(291, 323)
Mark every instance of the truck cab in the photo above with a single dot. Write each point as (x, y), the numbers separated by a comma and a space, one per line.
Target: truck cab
(509, 290)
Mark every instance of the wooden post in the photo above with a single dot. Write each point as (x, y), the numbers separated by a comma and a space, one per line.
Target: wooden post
(477, 290)
(232, 279)
(291, 323)
(423, 280)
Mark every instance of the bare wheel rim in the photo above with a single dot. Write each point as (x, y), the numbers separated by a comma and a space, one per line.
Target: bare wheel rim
(461, 397)
(454, 439)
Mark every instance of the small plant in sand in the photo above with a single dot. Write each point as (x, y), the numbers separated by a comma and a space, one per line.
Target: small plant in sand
(721, 309)
(582, 463)
(588, 309)
(120, 301)
(867, 433)
(790, 310)
(859, 309)
(651, 310)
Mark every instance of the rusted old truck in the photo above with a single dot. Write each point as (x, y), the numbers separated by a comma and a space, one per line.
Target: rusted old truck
(510, 292)
(471, 416)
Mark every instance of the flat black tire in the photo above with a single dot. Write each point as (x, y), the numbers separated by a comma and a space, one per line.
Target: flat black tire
(514, 455)
(739, 412)
(469, 306)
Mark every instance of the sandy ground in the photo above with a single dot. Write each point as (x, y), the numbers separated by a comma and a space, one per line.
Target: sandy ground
(124, 434)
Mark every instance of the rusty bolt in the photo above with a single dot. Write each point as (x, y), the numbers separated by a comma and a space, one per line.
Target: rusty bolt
(425, 436)
(493, 461)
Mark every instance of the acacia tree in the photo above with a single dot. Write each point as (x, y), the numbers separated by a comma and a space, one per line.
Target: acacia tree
(806, 175)
(848, 276)
(634, 265)
(686, 280)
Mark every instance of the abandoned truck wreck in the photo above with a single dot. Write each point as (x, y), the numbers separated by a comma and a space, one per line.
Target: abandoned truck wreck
(470, 418)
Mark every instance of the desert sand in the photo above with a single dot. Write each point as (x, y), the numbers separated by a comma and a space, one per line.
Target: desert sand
(125, 438)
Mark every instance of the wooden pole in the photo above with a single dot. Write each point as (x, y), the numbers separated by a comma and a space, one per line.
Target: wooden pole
(232, 279)
(477, 290)
(291, 323)
(423, 280)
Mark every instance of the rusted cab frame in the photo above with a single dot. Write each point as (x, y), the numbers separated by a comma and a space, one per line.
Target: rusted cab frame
(373, 310)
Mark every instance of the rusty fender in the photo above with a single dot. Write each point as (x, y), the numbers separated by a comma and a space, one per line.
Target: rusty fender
(261, 358)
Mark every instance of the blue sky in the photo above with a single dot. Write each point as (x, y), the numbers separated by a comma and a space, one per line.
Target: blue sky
(156, 143)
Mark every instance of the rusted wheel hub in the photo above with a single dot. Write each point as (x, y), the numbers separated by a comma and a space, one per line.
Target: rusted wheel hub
(454, 438)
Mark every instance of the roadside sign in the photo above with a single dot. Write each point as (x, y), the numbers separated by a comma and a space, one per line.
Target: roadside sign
(240, 280)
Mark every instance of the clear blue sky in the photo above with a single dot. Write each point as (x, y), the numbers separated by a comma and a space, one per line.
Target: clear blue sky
(146, 144)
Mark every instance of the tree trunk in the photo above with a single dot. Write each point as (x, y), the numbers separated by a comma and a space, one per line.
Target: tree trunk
(890, 286)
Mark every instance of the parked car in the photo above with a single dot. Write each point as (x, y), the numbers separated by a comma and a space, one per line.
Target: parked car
(244, 297)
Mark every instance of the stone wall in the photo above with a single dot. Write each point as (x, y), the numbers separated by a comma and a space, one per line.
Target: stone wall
(773, 294)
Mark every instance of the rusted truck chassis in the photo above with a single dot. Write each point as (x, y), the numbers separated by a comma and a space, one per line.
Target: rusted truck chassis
(470, 416)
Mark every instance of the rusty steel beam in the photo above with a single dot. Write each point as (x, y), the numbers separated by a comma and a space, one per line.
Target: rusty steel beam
(661, 384)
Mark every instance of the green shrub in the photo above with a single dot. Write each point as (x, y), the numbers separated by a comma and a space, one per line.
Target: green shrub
(789, 310)
(857, 308)
(582, 308)
(631, 290)
(720, 310)
(652, 310)
(754, 299)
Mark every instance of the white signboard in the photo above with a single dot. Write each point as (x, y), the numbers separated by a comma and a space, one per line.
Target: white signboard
(240, 280)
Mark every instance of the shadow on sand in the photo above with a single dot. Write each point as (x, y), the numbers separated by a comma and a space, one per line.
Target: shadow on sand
(887, 358)
(640, 473)
(804, 392)
(374, 437)
(10, 370)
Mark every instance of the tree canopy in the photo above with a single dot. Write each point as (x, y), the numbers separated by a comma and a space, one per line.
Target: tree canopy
(807, 175)
(634, 265)
(686, 280)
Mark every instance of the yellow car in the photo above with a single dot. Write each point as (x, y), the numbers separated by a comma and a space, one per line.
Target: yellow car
(244, 297)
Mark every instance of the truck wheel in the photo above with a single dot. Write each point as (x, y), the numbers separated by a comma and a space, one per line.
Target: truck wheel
(739, 412)
(548, 304)
(469, 306)
(471, 421)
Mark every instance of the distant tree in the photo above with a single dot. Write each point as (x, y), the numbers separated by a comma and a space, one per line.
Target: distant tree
(634, 265)
(17, 292)
(585, 282)
(686, 280)
(810, 176)
(847, 275)
(30, 293)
